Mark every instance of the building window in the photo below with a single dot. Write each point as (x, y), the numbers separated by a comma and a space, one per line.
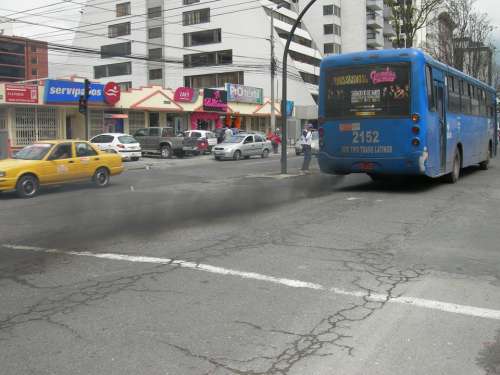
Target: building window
(34, 60)
(283, 18)
(208, 59)
(214, 80)
(12, 60)
(295, 38)
(155, 54)
(336, 11)
(119, 29)
(111, 70)
(327, 10)
(328, 29)
(189, 2)
(33, 48)
(13, 47)
(194, 17)
(154, 32)
(122, 9)
(156, 74)
(34, 72)
(12, 72)
(309, 78)
(199, 38)
(154, 12)
(118, 49)
(304, 58)
(124, 86)
(332, 48)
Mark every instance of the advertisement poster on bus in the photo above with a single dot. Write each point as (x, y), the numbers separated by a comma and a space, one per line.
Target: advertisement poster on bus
(381, 90)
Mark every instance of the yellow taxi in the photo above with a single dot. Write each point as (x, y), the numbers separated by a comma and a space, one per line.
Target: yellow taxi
(57, 162)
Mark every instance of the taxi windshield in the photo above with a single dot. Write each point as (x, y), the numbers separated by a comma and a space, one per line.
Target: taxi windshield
(33, 152)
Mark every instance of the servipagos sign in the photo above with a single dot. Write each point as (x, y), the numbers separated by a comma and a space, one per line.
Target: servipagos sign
(57, 91)
(244, 94)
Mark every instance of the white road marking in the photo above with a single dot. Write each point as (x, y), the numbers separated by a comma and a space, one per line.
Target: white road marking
(353, 198)
(473, 311)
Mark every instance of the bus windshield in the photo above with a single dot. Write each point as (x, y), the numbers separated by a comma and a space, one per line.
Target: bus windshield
(378, 90)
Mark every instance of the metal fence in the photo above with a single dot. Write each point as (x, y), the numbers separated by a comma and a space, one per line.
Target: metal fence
(4, 144)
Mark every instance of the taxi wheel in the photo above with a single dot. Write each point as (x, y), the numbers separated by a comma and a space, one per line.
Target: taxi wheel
(101, 177)
(27, 186)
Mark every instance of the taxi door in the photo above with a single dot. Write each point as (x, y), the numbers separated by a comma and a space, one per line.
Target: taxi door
(87, 160)
(60, 165)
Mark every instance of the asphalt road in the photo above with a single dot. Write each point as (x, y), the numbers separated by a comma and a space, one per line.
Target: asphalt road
(203, 267)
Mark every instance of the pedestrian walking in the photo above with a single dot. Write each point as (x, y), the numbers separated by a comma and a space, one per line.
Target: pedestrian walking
(275, 141)
(228, 134)
(306, 140)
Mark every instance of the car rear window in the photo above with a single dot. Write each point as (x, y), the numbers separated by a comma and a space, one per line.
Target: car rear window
(127, 139)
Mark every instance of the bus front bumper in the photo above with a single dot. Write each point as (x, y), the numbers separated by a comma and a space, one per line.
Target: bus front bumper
(411, 164)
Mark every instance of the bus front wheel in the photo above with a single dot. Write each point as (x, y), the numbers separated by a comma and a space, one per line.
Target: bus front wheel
(454, 175)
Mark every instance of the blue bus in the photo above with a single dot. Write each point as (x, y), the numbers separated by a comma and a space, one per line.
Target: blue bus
(400, 112)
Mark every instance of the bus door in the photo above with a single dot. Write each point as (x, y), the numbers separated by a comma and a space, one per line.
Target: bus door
(441, 110)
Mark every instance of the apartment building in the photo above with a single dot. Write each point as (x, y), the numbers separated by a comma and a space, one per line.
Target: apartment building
(342, 26)
(22, 59)
(196, 43)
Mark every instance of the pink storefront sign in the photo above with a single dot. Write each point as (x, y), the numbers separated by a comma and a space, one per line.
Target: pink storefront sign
(185, 94)
(214, 100)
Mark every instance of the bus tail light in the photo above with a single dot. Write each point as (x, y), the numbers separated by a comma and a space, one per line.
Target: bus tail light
(415, 129)
(415, 117)
(415, 142)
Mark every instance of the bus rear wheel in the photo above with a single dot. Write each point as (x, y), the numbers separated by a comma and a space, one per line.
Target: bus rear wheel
(454, 175)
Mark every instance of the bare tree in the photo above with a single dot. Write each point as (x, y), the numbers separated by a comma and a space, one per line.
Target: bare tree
(471, 51)
(408, 18)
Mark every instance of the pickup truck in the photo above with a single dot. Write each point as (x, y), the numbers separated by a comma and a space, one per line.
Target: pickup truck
(163, 141)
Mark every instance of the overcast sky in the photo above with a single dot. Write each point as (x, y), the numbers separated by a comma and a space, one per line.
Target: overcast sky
(66, 15)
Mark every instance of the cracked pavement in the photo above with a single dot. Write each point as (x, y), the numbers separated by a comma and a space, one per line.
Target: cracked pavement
(63, 314)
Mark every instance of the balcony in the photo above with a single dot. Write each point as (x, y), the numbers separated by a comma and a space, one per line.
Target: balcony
(389, 30)
(374, 39)
(375, 4)
(374, 21)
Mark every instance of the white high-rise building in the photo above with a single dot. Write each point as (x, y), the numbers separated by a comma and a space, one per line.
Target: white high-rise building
(342, 26)
(196, 43)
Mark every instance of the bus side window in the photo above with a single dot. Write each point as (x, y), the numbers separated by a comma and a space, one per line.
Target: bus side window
(431, 100)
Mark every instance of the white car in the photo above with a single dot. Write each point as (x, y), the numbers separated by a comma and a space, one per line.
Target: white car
(242, 146)
(210, 136)
(124, 144)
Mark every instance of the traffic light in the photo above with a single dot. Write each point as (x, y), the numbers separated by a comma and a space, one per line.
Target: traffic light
(82, 104)
(87, 88)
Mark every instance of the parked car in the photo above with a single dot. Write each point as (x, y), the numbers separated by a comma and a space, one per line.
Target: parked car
(124, 144)
(208, 135)
(162, 141)
(57, 162)
(314, 144)
(242, 146)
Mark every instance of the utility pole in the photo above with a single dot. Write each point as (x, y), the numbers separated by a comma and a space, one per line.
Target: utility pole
(284, 89)
(273, 72)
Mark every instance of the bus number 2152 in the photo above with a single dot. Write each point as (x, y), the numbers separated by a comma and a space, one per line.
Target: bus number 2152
(369, 136)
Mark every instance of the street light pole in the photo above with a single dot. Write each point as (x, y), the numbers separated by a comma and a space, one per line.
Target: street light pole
(284, 129)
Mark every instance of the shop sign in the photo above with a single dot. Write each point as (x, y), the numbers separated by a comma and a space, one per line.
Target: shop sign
(289, 108)
(111, 93)
(214, 100)
(244, 94)
(21, 94)
(185, 94)
(57, 91)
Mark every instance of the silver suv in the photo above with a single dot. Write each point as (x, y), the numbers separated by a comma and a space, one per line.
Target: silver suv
(242, 146)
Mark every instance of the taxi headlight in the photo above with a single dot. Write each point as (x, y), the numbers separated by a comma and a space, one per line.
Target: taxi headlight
(3, 174)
